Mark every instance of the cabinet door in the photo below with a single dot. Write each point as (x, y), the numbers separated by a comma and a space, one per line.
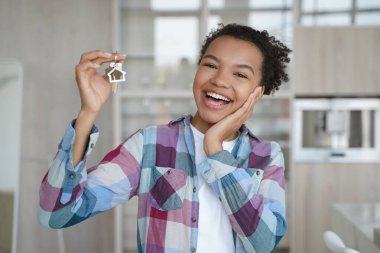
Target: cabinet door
(315, 187)
(337, 61)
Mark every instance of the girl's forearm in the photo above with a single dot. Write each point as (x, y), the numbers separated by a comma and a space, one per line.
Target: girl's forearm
(83, 126)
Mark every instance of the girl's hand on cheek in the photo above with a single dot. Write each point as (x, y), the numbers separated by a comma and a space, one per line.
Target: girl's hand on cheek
(229, 126)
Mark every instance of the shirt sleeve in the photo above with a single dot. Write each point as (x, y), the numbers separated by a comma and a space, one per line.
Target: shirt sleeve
(69, 195)
(254, 199)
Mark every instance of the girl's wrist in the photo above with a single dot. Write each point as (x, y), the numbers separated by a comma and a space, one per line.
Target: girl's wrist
(84, 122)
(87, 114)
(212, 147)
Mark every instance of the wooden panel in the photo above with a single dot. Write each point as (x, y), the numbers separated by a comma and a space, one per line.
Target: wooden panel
(337, 61)
(314, 187)
(6, 221)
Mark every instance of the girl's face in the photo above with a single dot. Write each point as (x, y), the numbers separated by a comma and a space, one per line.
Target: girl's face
(228, 73)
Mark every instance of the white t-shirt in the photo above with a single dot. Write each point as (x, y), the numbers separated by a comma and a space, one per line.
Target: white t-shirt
(214, 228)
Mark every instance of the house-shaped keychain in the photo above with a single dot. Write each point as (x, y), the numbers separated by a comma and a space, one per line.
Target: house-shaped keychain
(115, 73)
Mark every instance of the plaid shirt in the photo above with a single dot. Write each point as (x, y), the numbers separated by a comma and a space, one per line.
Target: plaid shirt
(158, 165)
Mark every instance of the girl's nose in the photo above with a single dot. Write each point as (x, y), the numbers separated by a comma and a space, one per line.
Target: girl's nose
(220, 79)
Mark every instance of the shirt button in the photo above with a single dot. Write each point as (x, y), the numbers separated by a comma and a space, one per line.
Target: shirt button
(193, 219)
(258, 172)
(92, 145)
(72, 176)
(193, 249)
(194, 189)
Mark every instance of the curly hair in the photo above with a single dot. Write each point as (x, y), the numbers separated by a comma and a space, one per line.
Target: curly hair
(275, 53)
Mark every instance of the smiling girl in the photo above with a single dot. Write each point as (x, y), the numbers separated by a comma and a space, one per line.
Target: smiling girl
(205, 183)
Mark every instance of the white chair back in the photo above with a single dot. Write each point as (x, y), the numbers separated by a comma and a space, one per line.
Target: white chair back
(335, 244)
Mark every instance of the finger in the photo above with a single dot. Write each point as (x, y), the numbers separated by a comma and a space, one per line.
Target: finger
(92, 55)
(256, 96)
(84, 66)
(250, 104)
(258, 91)
(247, 108)
(239, 116)
(119, 58)
(262, 91)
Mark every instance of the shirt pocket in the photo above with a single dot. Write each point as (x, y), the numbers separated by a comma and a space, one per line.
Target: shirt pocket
(168, 188)
(257, 178)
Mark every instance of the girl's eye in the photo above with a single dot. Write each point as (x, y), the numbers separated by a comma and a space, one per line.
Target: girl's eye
(241, 75)
(209, 65)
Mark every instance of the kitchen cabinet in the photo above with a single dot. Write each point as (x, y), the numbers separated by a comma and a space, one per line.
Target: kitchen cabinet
(315, 187)
(336, 61)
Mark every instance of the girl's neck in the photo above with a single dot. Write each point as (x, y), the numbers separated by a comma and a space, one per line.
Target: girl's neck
(200, 124)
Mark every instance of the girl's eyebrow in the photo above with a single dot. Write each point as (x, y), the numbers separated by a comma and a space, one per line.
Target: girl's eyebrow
(237, 65)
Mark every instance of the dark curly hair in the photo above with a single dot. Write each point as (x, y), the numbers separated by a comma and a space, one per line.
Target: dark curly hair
(274, 52)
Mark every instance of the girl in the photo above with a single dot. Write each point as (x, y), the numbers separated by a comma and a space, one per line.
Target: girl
(205, 183)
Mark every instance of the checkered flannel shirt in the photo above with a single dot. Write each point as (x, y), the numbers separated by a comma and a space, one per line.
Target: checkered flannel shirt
(157, 164)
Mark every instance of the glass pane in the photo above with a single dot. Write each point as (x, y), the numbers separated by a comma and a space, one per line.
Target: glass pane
(275, 22)
(368, 18)
(338, 129)
(366, 4)
(314, 129)
(288, 33)
(213, 22)
(140, 73)
(328, 5)
(216, 4)
(175, 51)
(175, 38)
(309, 5)
(325, 5)
(175, 5)
(308, 20)
(141, 112)
(334, 19)
(269, 3)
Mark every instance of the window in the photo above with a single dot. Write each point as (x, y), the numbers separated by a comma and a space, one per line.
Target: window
(339, 12)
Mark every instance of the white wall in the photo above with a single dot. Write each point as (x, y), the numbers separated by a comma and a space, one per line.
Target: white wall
(47, 38)
(10, 128)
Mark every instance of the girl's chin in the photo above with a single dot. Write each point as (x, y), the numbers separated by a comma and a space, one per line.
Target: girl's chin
(208, 118)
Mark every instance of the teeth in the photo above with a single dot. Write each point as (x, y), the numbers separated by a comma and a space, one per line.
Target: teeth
(217, 96)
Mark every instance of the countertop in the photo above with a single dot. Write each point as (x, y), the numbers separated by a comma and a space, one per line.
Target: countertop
(355, 224)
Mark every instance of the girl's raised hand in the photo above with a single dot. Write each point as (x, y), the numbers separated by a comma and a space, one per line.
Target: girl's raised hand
(229, 126)
(94, 88)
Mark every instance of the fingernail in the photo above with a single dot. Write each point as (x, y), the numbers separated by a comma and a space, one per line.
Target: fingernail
(123, 55)
(107, 54)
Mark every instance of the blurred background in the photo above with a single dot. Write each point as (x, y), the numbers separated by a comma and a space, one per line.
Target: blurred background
(326, 118)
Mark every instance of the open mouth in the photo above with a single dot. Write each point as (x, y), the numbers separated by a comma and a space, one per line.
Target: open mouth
(217, 98)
